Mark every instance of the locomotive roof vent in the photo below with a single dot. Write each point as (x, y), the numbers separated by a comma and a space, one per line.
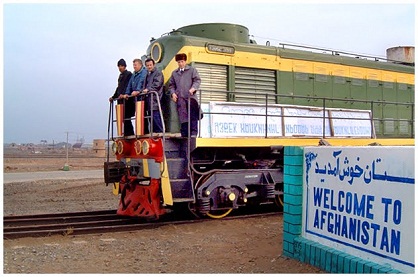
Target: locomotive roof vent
(220, 31)
(401, 54)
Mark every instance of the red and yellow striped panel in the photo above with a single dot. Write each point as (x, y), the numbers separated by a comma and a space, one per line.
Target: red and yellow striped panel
(139, 108)
(119, 118)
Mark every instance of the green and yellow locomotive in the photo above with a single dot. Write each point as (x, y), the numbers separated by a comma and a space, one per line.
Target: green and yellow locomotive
(256, 100)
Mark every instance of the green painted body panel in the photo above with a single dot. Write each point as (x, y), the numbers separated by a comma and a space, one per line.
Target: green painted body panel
(309, 56)
(176, 40)
(219, 31)
(299, 83)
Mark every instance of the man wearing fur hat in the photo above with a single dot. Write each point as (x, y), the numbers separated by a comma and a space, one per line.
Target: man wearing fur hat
(184, 83)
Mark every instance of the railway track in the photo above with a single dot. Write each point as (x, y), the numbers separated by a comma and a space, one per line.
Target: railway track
(50, 156)
(94, 222)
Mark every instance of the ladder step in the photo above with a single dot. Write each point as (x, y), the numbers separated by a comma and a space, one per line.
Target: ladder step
(181, 188)
(177, 168)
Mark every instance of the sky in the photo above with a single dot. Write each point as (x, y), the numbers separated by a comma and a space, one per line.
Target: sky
(59, 60)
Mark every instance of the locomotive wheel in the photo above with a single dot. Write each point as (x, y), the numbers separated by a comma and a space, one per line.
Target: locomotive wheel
(278, 200)
(218, 216)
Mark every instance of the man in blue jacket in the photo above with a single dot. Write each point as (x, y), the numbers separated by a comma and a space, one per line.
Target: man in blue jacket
(134, 88)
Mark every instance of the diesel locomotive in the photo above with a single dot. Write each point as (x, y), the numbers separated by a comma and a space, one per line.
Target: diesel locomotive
(255, 101)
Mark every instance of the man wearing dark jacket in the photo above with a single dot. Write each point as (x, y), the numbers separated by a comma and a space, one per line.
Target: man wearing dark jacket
(153, 82)
(184, 83)
(123, 82)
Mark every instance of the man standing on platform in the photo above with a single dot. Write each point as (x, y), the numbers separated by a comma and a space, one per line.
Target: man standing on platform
(153, 82)
(184, 83)
(123, 81)
(134, 87)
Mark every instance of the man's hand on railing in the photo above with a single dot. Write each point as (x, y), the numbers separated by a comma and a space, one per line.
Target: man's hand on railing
(126, 96)
(174, 97)
(135, 93)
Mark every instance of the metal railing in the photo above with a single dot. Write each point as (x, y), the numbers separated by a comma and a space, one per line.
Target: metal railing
(150, 117)
(371, 104)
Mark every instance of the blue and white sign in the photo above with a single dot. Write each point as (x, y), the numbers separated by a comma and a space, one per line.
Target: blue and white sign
(360, 200)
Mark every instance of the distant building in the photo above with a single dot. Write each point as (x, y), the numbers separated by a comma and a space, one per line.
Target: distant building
(62, 145)
(79, 143)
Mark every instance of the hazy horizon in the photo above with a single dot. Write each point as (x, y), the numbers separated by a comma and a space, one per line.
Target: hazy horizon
(60, 59)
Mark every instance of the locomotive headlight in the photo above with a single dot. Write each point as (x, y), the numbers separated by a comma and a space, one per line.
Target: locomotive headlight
(138, 147)
(145, 147)
(120, 147)
(156, 52)
(114, 148)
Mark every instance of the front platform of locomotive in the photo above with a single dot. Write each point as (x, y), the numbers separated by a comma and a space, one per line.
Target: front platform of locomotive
(137, 172)
(137, 169)
(140, 163)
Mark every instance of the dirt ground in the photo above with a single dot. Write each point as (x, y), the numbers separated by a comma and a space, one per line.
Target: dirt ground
(218, 246)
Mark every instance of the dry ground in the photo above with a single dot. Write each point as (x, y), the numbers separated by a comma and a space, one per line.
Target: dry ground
(218, 246)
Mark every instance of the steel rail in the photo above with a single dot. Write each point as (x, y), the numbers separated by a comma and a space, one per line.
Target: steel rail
(97, 222)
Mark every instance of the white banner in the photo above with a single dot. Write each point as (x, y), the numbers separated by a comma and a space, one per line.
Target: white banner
(231, 119)
(238, 120)
(344, 125)
(305, 121)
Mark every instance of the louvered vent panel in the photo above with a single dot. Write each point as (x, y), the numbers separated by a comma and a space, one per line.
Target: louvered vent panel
(256, 82)
(214, 82)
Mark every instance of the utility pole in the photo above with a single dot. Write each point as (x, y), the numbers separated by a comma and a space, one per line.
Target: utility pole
(66, 166)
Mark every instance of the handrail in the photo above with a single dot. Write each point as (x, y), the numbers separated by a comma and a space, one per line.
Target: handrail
(338, 53)
(108, 130)
(270, 96)
(151, 127)
(314, 98)
(152, 111)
